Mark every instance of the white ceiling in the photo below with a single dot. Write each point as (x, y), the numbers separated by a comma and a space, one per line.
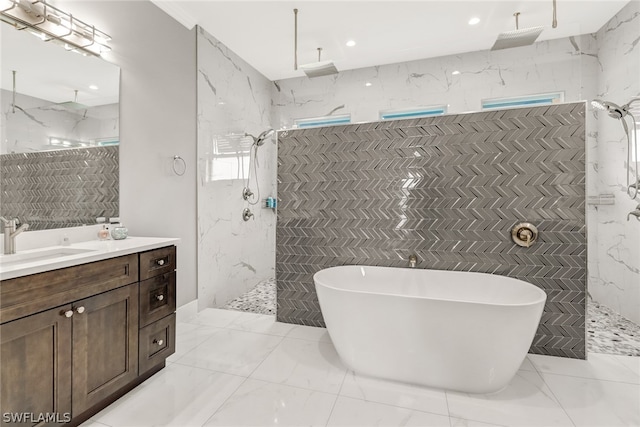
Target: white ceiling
(261, 32)
(47, 71)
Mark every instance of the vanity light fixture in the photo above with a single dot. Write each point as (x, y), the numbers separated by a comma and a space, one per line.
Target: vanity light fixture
(474, 21)
(52, 24)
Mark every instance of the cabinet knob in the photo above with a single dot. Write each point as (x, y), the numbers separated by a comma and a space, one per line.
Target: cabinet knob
(160, 297)
(68, 313)
(159, 342)
(80, 310)
(160, 262)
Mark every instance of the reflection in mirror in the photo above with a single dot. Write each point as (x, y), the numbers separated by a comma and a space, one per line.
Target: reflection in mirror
(59, 133)
(53, 98)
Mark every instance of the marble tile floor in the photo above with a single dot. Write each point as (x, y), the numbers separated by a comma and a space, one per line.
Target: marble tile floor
(235, 368)
(607, 331)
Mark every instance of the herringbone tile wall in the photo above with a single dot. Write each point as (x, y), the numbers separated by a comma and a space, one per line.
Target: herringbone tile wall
(64, 188)
(448, 189)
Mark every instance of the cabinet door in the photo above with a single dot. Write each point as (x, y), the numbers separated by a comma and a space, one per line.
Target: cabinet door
(105, 345)
(36, 368)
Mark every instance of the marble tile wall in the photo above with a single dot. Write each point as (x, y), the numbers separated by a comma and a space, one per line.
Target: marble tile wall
(63, 188)
(448, 189)
(233, 98)
(564, 65)
(614, 277)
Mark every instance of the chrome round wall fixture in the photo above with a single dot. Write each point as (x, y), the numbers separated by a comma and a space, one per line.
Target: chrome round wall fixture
(524, 234)
(246, 193)
(179, 165)
(246, 214)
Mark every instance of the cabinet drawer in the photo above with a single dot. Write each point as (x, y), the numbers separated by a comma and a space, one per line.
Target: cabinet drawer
(157, 298)
(157, 342)
(157, 262)
(26, 295)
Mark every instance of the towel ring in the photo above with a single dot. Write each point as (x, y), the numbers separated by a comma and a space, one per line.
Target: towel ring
(177, 161)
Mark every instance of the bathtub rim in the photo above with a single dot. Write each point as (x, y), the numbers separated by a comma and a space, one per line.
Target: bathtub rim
(542, 295)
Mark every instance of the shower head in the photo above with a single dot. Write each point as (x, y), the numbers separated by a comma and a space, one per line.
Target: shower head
(316, 69)
(319, 69)
(615, 111)
(260, 139)
(517, 37)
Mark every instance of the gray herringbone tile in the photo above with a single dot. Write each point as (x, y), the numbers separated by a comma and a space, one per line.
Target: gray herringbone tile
(63, 188)
(448, 189)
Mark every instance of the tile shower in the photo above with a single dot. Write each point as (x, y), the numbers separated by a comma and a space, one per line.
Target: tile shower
(603, 64)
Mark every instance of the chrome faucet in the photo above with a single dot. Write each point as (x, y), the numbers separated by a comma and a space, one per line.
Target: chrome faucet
(413, 260)
(635, 213)
(10, 234)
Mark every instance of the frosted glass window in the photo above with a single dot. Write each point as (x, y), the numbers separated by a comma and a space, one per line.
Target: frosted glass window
(523, 101)
(313, 122)
(409, 113)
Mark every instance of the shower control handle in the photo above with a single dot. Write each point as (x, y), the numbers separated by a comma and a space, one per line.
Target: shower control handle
(246, 193)
(246, 214)
(524, 234)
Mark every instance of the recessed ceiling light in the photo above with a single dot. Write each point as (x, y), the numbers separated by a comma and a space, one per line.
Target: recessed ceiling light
(93, 87)
(474, 20)
(455, 73)
(351, 43)
(367, 84)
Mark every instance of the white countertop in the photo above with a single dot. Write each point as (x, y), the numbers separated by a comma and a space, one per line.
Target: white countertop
(94, 250)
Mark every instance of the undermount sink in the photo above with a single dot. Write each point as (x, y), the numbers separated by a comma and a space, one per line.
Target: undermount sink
(40, 255)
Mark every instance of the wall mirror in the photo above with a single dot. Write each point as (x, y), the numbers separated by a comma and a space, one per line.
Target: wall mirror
(62, 99)
(59, 128)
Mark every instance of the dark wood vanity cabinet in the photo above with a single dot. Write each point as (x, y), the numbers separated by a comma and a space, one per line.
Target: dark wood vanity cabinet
(157, 307)
(69, 361)
(105, 343)
(35, 366)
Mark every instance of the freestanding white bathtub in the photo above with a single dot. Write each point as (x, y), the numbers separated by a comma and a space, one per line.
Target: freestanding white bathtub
(460, 331)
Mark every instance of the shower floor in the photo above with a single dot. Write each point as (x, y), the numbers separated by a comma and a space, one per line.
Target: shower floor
(261, 299)
(607, 331)
(610, 333)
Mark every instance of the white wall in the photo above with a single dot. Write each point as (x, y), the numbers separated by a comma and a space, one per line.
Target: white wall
(157, 109)
(233, 98)
(615, 280)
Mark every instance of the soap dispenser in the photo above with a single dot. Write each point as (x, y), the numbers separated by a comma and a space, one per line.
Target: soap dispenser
(103, 233)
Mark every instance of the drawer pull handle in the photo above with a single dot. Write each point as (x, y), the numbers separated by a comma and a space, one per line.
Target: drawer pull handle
(80, 310)
(160, 262)
(160, 297)
(159, 342)
(68, 313)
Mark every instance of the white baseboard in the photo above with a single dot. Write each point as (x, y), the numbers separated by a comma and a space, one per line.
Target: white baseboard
(187, 311)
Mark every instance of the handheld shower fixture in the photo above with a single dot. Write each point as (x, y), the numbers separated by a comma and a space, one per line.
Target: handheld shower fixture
(615, 111)
(260, 139)
(620, 113)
